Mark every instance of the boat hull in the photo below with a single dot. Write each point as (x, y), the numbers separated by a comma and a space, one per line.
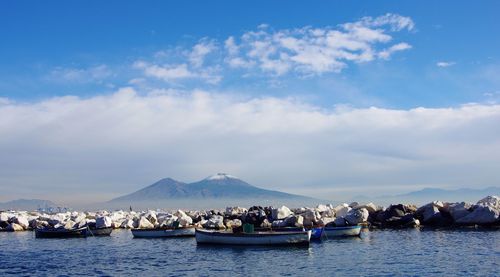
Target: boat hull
(338, 232)
(163, 233)
(257, 238)
(101, 232)
(60, 233)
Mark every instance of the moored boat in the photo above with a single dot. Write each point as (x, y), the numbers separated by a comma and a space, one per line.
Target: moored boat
(256, 238)
(60, 232)
(164, 233)
(98, 232)
(345, 231)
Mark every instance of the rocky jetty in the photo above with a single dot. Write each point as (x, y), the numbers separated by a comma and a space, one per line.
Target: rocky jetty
(485, 212)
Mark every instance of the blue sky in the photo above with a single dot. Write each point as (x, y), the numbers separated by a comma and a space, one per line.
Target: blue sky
(39, 38)
(348, 96)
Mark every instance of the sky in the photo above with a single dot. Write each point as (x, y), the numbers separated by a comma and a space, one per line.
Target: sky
(329, 99)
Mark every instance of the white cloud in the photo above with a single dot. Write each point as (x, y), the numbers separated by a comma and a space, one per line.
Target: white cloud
(81, 75)
(178, 72)
(166, 73)
(305, 51)
(200, 51)
(313, 51)
(445, 64)
(385, 54)
(129, 139)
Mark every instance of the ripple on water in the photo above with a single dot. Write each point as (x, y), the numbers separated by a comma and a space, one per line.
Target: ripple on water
(377, 253)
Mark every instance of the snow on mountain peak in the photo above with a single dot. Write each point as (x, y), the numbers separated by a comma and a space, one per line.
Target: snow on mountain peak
(221, 176)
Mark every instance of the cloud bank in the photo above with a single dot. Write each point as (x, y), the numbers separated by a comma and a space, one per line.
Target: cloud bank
(77, 148)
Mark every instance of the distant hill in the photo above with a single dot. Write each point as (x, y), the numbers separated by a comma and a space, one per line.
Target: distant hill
(217, 187)
(427, 195)
(27, 204)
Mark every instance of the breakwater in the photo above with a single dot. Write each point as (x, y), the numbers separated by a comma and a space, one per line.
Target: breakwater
(435, 214)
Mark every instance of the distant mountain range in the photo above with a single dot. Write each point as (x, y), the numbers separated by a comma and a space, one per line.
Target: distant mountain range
(27, 204)
(427, 195)
(216, 187)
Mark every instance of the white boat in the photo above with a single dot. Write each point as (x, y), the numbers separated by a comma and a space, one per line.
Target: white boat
(256, 238)
(346, 231)
(163, 233)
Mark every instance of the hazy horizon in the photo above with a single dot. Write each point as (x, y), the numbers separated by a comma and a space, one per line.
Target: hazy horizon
(328, 102)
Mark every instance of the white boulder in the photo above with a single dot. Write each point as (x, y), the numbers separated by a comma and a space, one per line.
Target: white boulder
(492, 201)
(103, 222)
(233, 223)
(370, 207)
(21, 221)
(357, 216)
(235, 211)
(144, 223)
(14, 227)
(215, 222)
(342, 210)
(482, 214)
(281, 213)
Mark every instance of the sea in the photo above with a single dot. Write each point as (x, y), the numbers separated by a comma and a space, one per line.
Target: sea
(412, 252)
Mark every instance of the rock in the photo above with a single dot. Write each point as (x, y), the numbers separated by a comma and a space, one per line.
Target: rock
(298, 221)
(234, 223)
(325, 220)
(357, 216)
(235, 211)
(215, 222)
(186, 221)
(370, 207)
(434, 214)
(311, 216)
(103, 222)
(168, 220)
(22, 221)
(342, 210)
(322, 208)
(492, 201)
(151, 217)
(281, 213)
(144, 223)
(255, 216)
(69, 225)
(5, 217)
(459, 210)
(14, 227)
(482, 214)
(340, 221)
(354, 204)
(266, 224)
(128, 224)
(280, 223)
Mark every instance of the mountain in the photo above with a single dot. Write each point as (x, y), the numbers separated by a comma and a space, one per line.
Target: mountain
(27, 204)
(220, 186)
(163, 189)
(427, 195)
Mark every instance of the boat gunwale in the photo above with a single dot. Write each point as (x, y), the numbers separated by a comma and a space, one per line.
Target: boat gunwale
(255, 234)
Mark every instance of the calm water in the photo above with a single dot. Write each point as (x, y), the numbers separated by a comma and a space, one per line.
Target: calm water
(377, 253)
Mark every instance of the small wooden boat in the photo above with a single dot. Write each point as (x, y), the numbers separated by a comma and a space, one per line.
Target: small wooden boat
(256, 238)
(60, 233)
(98, 232)
(164, 232)
(345, 231)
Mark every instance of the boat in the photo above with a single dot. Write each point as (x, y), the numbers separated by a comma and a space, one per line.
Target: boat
(345, 231)
(164, 232)
(256, 238)
(60, 232)
(316, 233)
(98, 232)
